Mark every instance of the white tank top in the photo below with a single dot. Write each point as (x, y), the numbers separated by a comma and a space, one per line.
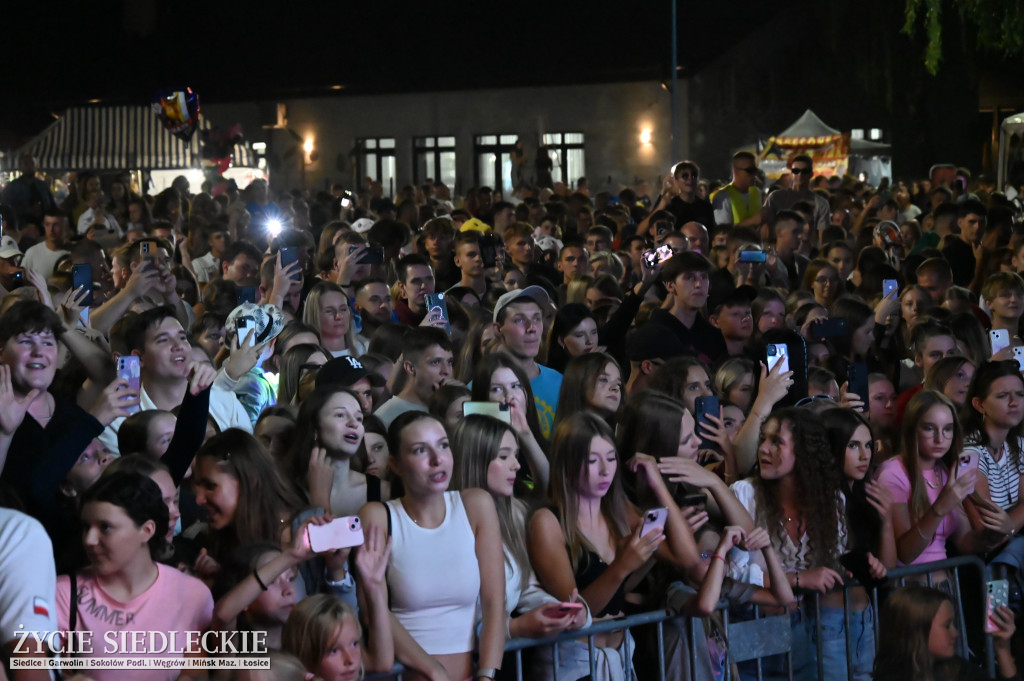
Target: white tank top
(434, 578)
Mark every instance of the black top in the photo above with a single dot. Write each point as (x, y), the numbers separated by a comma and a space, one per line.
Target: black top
(698, 210)
(702, 339)
(590, 568)
(961, 260)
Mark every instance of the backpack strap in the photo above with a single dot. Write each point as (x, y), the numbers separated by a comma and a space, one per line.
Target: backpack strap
(73, 618)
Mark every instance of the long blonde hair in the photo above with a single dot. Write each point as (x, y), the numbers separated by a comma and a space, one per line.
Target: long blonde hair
(312, 625)
(475, 444)
(916, 409)
(311, 314)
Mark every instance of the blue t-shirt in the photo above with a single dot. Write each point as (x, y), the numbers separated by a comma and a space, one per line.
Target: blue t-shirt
(546, 386)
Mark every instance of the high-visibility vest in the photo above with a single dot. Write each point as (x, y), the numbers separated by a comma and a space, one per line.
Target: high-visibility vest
(742, 210)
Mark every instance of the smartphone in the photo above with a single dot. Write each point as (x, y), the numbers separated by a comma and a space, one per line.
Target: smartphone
(244, 326)
(495, 409)
(1018, 354)
(777, 353)
(81, 276)
(560, 610)
(888, 286)
(373, 256)
(433, 300)
(128, 369)
(246, 294)
(698, 499)
(828, 328)
(753, 256)
(290, 254)
(657, 255)
(340, 533)
(654, 519)
(1000, 339)
(968, 462)
(706, 404)
(857, 563)
(857, 376)
(148, 249)
(488, 252)
(998, 595)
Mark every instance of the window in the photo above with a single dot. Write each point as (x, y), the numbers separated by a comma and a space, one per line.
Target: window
(566, 153)
(857, 134)
(876, 133)
(494, 161)
(375, 158)
(434, 159)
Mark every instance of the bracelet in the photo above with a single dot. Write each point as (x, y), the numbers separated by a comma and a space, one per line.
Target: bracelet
(718, 557)
(487, 673)
(256, 574)
(923, 535)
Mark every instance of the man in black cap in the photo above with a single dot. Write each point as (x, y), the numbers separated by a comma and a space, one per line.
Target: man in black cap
(648, 348)
(686, 279)
(349, 373)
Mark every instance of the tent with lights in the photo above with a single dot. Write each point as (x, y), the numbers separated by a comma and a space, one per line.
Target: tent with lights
(118, 138)
(834, 152)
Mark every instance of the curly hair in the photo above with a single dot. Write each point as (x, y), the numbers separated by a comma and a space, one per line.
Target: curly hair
(816, 492)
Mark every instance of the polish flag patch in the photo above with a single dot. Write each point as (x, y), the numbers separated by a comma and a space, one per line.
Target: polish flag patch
(40, 607)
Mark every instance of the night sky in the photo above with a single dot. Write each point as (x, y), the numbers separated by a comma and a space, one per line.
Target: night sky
(123, 52)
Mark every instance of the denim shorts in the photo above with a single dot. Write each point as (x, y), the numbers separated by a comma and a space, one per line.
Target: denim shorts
(862, 643)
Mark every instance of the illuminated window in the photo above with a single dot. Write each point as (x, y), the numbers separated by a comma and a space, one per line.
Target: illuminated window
(566, 153)
(434, 159)
(493, 154)
(375, 157)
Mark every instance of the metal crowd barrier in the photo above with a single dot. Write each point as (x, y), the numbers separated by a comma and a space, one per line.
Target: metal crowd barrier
(761, 637)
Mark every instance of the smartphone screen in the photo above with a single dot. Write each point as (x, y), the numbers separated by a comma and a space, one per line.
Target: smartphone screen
(753, 256)
(81, 276)
(495, 409)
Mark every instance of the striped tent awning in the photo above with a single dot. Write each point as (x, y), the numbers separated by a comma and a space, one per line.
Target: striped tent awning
(117, 138)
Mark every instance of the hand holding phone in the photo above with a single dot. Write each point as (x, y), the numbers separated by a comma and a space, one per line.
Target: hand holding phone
(968, 464)
(129, 369)
(998, 596)
(340, 533)
(1000, 339)
(654, 520)
(557, 611)
(244, 325)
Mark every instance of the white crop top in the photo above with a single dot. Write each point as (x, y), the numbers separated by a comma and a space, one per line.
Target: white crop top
(434, 578)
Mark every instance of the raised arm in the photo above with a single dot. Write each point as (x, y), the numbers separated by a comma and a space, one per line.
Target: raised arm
(773, 387)
(680, 547)
(372, 592)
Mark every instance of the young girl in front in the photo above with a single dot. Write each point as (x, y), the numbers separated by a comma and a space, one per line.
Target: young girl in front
(867, 506)
(329, 434)
(486, 457)
(125, 521)
(927, 494)
(796, 498)
(437, 534)
(590, 539)
(593, 382)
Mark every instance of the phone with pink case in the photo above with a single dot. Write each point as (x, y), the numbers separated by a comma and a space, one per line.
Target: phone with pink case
(968, 463)
(340, 533)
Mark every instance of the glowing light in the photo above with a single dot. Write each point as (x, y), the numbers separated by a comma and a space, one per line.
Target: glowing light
(274, 227)
(259, 146)
(308, 145)
(645, 136)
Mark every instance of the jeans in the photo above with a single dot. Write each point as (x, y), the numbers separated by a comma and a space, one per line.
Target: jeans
(804, 653)
(862, 643)
(1012, 554)
(574, 662)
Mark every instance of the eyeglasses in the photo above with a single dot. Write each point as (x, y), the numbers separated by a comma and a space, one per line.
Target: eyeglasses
(808, 400)
(801, 171)
(747, 169)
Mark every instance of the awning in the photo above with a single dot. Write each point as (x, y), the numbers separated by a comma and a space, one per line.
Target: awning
(117, 138)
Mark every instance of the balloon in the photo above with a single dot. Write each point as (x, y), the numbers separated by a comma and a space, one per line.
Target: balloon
(178, 110)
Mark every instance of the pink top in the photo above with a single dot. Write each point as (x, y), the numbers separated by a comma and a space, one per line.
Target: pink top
(894, 476)
(175, 603)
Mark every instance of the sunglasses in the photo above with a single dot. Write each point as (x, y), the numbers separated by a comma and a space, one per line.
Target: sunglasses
(748, 169)
(802, 171)
(687, 176)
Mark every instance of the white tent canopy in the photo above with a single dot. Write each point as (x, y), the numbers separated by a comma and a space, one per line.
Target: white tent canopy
(809, 125)
(1012, 125)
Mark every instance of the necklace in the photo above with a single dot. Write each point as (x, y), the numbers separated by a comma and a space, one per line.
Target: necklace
(936, 485)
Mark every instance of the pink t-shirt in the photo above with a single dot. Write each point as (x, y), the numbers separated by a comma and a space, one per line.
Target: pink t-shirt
(894, 476)
(175, 603)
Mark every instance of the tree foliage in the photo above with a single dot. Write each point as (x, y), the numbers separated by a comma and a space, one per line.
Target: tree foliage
(998, 26)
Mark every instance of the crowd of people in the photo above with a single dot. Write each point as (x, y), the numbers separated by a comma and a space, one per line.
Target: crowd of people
(541, 411)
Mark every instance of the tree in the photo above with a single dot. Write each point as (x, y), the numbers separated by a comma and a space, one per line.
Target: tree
(999, 25)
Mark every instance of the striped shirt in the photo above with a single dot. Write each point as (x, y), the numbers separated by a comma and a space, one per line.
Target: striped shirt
(1002, 475)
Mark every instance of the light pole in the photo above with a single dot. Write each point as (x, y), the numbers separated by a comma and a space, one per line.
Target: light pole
(675, 88)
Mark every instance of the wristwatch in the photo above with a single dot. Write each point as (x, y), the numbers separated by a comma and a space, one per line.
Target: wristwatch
(487, 673)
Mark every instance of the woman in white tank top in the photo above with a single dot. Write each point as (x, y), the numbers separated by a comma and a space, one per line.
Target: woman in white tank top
(446, 559)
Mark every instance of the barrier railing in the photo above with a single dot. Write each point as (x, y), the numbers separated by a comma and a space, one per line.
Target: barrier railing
(757, 638)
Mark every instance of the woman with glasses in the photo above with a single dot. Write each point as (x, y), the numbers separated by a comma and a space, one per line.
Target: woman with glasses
(822, 279)
(926, 489)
